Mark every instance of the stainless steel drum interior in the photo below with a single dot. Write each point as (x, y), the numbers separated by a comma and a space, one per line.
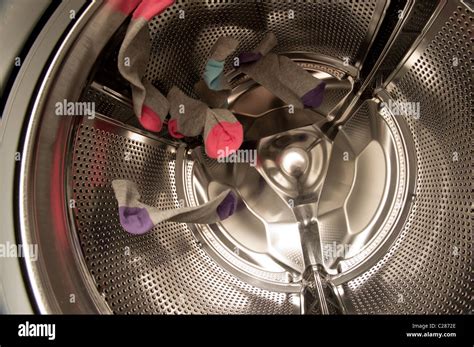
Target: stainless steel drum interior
(400, 195)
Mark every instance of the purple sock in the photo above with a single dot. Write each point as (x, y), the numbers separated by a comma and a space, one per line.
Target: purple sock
(249, 57)
(315, 96)
(138, 218)
(228, 206)
(135, 220)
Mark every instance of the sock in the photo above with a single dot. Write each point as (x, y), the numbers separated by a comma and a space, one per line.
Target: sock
(187, 114)
(138, 218)
(286, 80)
(149, 105)
(213, 75)
(307, 87)
(123, 6)
(214, 69)
(107, 19)
(112, 13)
(223, 134)
(265, 72)
(213, 98)
(213, 88)
(224, 46)
(263, 48)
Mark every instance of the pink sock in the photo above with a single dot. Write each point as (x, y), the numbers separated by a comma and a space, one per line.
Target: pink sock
(223, 134)
(149, 105)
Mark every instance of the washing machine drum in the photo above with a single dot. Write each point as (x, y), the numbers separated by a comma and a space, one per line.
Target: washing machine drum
(392, 180)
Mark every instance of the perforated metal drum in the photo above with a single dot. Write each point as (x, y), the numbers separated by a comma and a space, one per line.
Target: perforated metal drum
(396, 187)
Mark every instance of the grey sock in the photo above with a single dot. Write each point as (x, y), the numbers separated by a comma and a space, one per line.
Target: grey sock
(263, 48)
(224, 46)
(213, 98)
(189, 113)
(267, 44)
(223, 133)
(295, 77)
(214, 88)
(132, 60)
(138, 218)
(286, 80)
(265, 72)
(149, 105)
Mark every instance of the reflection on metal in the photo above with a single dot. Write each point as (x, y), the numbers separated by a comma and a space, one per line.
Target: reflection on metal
(319, 295)
(348, 193)
(365, 188)
(427, 269)
(377, 240)
(295, 164)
